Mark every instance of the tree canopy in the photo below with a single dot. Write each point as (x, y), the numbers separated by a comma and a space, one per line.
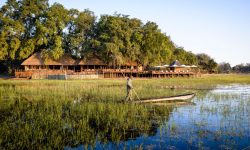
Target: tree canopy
(241, 68)
(206, 63)
(29, 26)
(224, 67)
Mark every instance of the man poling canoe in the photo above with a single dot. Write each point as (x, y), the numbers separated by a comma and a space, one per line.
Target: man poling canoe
(129, 89)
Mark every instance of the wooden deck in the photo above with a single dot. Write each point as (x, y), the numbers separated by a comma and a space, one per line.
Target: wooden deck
(145, 74)
(103, 73)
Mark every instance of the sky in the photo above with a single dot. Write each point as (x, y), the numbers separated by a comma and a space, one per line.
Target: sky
(219, 28)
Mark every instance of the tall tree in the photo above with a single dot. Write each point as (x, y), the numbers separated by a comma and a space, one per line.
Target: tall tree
(132, 38)
(79, 32)
(156, 47)
(184, 56)
(18, 27)
(55, 24)
(224, 67)
(32, 14)
(206, 63)
(242, 68)
(11, 31)
(107, 35)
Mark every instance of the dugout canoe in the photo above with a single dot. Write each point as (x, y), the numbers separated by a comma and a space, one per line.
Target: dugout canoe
(182, 97)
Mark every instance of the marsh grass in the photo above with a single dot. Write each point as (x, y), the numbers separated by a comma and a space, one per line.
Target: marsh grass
(50, 124)
(46, 114)
(53, 114)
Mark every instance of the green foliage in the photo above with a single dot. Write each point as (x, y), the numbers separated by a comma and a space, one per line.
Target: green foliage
(11, 32)
(118, 36)
(242, 68)
(123, 39)
(32, 15)
(224, 67)
(4, 47)
(29, 26)
(80, 29)
(156, 47)
(185, 57)
(57, 18)
(27, 48)
(18, 29)
(207, 63)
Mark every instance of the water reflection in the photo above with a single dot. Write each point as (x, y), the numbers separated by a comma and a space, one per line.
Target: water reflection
(219, 120)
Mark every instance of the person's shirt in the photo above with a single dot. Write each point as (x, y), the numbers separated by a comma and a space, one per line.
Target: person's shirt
(129, 83)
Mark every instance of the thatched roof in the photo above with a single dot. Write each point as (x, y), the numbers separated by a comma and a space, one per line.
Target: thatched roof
(92, 61)
(37, 60)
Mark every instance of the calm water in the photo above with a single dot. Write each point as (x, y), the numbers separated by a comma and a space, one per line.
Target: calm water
(218, 119)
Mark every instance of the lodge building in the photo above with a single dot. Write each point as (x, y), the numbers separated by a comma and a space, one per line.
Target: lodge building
(66, 67)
